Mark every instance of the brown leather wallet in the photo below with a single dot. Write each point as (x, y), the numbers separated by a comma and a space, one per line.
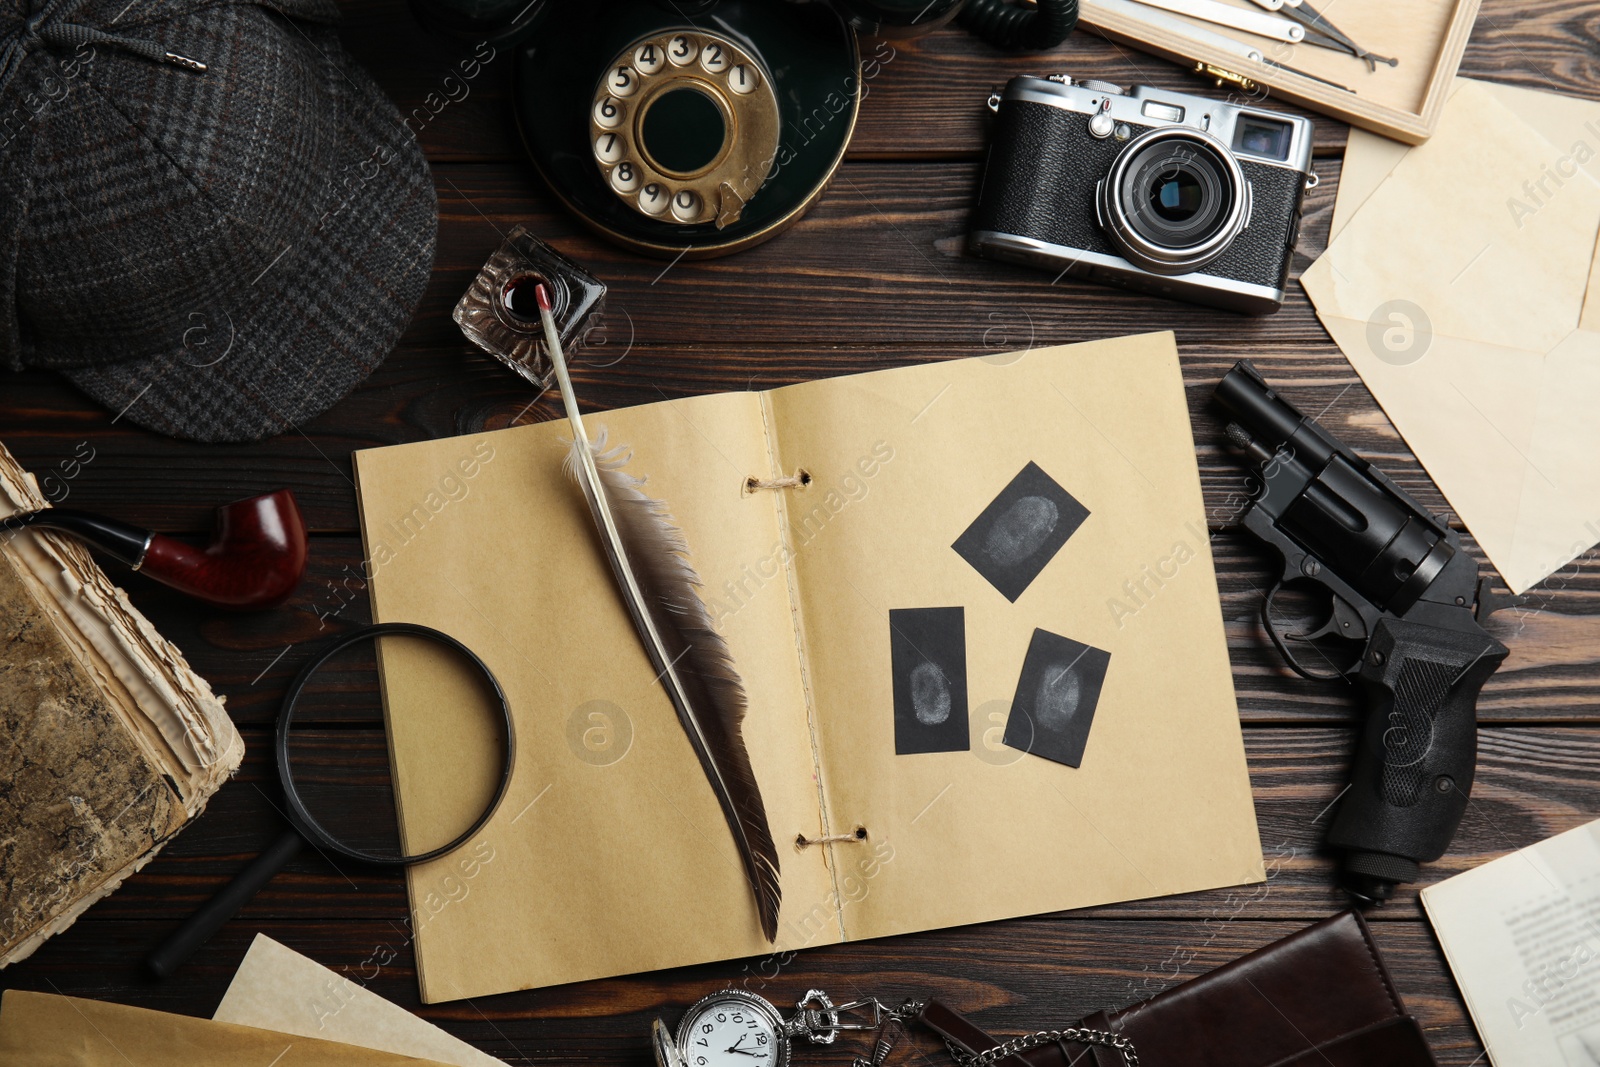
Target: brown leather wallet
(1318, 998)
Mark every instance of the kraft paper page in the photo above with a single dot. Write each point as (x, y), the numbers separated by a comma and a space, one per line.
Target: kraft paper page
(277, 989)
(609, 860)
(1162, 802)
(44, 1030)
(609, 854)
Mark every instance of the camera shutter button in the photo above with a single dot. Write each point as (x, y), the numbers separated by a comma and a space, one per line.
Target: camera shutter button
(1102, 125)
(1100, 86)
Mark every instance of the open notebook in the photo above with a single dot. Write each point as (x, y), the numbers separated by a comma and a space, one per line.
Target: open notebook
(610, 854)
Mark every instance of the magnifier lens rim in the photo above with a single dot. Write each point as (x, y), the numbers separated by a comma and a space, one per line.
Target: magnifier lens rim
(302, 818)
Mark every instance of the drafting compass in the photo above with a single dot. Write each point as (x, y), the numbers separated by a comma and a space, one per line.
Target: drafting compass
(1290, 21)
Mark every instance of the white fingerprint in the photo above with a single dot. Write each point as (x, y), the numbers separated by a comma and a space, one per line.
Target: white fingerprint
(1057, 700)
(930, 694)
(1019, 532)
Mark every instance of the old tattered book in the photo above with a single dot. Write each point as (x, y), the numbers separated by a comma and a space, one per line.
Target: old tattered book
(109, 743)
(972, 606)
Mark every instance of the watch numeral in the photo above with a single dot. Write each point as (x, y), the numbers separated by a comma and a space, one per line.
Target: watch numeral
(705, 1028)
(761, 1039)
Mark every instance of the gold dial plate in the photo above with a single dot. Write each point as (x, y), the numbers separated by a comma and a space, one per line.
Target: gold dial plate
(725, 75)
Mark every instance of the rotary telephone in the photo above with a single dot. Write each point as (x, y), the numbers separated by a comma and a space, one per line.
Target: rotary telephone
(696, 128)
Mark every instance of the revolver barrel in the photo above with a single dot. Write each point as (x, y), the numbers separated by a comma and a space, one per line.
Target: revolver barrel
(1332, 503)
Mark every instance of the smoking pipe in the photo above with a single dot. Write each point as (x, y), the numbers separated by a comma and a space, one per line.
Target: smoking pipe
(255, 559)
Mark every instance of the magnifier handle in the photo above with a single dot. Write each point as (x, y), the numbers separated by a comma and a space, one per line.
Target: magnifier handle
(198, 928)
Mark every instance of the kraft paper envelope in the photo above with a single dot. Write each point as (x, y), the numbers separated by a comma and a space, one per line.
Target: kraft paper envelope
(1458, 285)
(44, 1030)
(278, 989)
(610, 854)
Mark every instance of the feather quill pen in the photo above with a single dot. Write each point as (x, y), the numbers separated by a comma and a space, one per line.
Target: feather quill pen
(649, 558)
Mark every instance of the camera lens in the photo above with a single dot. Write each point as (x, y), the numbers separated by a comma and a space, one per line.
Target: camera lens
(1173, 200)
(1175, 195)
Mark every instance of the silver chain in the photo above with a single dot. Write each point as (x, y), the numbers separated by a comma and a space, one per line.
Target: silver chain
(1081, 1035)
(818, 1019)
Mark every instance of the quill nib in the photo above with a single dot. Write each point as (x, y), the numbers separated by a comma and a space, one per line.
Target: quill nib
(649, 558)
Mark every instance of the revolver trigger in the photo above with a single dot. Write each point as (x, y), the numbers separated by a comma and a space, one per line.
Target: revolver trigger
(1324, 669)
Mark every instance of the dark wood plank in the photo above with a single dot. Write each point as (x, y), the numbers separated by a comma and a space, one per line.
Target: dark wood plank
(1552, 675)
(826, 303)
(1014, 977)
(1532, 782)
(926, 101)
(872, 278)
(924, 96)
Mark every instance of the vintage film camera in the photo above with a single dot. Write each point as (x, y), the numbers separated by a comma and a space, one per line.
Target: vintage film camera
(1156, 191)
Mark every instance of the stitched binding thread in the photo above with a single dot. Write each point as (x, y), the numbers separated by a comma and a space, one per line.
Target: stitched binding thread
(802, 841)
(798, 480)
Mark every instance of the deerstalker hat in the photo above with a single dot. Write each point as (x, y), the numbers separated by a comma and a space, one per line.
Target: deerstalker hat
(212, 221)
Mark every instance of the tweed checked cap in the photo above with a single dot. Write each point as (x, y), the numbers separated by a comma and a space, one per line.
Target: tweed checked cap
(214, 254)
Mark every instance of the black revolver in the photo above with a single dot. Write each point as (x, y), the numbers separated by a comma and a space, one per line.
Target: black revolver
(1406, 604)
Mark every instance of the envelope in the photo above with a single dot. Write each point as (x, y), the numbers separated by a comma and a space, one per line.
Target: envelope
(1461, 284)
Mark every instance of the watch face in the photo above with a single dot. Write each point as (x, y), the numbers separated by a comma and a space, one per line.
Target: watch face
(733, 1029)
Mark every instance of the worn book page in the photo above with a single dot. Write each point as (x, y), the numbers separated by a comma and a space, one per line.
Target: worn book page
(902, 461)
(610, 854)
(44, 1030)
(1522, 936)
(114, 742)
(78, 800)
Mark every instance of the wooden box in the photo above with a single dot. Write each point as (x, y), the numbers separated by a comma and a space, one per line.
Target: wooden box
(1426, 37)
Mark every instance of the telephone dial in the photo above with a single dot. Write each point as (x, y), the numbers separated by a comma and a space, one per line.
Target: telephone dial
(696, 128)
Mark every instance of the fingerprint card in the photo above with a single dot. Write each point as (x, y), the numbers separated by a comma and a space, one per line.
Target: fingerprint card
(1056, 697)
(928, 658)
(1021, 531)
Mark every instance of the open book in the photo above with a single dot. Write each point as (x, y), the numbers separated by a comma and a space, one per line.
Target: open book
(894, 621)
(109, 743)
(1522, 936)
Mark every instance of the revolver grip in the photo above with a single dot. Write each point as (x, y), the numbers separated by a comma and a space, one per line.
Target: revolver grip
(1414, 766)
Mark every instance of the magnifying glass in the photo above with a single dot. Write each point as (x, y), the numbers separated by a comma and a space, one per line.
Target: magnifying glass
(339, 799)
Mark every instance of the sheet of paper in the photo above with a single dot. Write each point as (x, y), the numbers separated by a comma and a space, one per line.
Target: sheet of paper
(1461, 313)
(278, 989)
(1522, 936)
(44, 1030)
(616, 859)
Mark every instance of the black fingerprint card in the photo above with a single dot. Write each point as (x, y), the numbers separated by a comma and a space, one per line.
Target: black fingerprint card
(1021, 531)
(928, 658)
(1056, 697)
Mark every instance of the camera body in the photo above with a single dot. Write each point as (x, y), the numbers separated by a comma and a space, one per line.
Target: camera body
(1146, 189)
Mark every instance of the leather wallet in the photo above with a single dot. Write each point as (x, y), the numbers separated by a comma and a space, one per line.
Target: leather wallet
(1320, 997)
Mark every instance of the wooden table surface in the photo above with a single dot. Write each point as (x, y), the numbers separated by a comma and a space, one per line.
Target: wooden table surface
(873, 277)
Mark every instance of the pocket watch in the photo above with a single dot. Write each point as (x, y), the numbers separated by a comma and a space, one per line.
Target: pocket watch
(737, 1028)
